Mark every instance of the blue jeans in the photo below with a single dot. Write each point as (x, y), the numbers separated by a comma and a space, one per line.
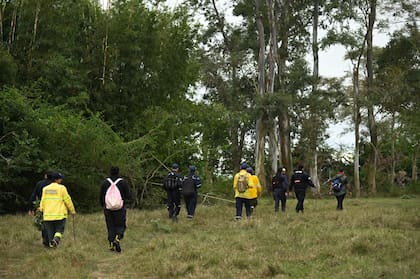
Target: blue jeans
(279, 195)
(239, 204)
(191, 203)
(300, 196)
(173, 202)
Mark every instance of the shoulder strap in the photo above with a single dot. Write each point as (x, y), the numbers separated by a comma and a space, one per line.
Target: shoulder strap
(114, 182)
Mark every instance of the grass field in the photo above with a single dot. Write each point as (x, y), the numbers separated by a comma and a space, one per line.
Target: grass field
(371, 238)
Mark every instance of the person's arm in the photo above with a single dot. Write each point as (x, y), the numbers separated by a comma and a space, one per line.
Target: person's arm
(67, 201)
(102, 194)
(197, 181)
(291, 186)
(235, 182)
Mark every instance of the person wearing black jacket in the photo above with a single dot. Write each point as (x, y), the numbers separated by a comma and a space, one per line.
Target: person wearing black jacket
(115, 219)
(299, 182)
(172, 184)
(34, 203)
(279, 185)
(191, 198)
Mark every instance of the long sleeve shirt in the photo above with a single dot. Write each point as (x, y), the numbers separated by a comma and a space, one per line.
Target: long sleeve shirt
(56, 202)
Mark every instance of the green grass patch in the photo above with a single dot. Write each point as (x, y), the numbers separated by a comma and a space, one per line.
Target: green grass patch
(371, 238)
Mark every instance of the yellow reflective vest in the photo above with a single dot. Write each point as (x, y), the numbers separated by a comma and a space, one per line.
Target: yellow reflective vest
(254, 186)
(55, 202)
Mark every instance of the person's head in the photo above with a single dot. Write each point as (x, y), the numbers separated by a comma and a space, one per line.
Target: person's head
(283, 170)
(192, 169)
(300, 168)
(114, 171)
(250, 170)
(57, 177)
(341, 171)
(175, 167)
(48, 175)
(244, 166)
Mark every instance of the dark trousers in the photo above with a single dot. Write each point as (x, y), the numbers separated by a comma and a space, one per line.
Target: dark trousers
(115, 223)
(239, 204)
(173, 203)
(54, 229)
(340, 199)
(279, 195)
(300, 196)
(44, 235)
(191, 203)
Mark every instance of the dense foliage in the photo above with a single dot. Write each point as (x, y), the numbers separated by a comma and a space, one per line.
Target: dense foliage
(141, 85)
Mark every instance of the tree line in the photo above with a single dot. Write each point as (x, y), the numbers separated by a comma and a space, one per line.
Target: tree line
(140, 85)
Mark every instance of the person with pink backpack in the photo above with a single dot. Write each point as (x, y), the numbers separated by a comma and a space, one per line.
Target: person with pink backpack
(113, 198)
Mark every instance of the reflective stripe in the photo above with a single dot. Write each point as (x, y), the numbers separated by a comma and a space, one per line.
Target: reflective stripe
(58, 234)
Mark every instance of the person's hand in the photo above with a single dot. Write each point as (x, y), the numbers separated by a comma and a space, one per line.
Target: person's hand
(31, 213)
(286, 194)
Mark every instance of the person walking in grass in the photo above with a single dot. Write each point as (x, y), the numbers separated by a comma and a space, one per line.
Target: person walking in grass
(241, 182)
(113, 198)
(34, 201)
(299, 182)
(339, 188)
(255, 189)
(55, 204)
(172, 184)
(279, 185)
(190, 184)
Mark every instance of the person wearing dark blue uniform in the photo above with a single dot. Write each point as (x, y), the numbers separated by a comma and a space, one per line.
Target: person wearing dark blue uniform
(34, 200)
(191, 198)
(279, 184)
(299, 182)
(173, 186)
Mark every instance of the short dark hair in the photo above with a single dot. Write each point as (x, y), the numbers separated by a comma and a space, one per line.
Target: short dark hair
(114, 171)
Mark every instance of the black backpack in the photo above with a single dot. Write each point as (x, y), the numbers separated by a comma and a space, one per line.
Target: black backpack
(188, 186)
(170, 181)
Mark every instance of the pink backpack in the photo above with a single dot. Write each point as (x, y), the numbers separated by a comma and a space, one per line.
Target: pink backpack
(113, 199)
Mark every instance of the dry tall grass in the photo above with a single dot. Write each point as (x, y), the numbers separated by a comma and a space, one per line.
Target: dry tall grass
(371, 238)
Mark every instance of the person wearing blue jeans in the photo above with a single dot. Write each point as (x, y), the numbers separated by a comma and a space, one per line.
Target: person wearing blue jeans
(190, 185)
(243, 195)
(279, 187)
(299, 182)
(172, 184)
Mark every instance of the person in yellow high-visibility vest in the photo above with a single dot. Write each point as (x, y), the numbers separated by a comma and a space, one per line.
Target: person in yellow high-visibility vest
(55, 203)
(255, 188)
(242, 192)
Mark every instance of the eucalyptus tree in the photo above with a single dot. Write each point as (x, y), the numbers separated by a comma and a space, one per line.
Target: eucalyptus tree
(226, 77)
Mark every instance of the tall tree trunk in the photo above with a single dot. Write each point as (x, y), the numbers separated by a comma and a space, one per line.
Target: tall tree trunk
(105, 44)
(414, 163)
(284, 120)
(273, 57)
(2, 8)
(261, 121)
(34, 32)
(392, 177)
(357, 120)
(13, 22)
(313, 166)
(371, 113)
